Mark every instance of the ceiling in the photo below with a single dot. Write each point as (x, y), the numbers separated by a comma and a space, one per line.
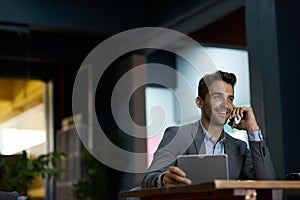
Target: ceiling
(19, 95)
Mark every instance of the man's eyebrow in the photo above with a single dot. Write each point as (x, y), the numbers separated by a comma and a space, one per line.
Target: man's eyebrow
(219, 93)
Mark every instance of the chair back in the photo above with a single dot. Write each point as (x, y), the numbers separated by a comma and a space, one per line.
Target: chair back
(9, 195)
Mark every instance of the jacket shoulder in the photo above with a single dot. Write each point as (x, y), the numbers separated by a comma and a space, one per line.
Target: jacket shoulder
(179, 135)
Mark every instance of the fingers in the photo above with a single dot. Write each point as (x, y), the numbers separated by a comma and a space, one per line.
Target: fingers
(240, 112)
(247, 117)
(175, 176)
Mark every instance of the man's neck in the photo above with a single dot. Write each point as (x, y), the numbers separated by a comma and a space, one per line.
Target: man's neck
(213, 130)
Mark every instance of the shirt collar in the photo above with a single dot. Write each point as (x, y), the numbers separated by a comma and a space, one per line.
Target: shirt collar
(208, 136)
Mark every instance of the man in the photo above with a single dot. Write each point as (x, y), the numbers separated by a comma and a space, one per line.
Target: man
(207, 136)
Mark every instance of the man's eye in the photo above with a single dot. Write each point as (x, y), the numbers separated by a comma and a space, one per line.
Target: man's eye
(230, 99)
(216, 96)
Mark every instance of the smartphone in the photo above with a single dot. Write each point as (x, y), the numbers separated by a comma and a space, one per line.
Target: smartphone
(232, 122)
(293, 176)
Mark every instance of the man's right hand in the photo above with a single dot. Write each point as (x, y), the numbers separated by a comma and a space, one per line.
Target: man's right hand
(175, 176)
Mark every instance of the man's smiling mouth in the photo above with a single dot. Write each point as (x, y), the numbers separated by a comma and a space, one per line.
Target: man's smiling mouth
(223, 112)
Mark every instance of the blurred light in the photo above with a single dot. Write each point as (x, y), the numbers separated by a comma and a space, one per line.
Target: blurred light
(16, 140)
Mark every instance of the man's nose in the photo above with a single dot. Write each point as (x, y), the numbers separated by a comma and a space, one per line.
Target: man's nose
(225, 102)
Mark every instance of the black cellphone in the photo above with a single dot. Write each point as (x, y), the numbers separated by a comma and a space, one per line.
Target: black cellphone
(293, 176)
(232, 122)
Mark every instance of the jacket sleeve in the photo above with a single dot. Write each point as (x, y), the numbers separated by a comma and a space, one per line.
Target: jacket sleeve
(164, 157)
(157, 168)
(262, 163)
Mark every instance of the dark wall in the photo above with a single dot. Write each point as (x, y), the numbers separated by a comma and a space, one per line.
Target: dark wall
(272, 41)
(288, 27)
(230, 30)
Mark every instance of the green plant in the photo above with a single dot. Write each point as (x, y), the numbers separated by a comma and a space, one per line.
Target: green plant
(99, 181)
(18, 175)
(91, 186)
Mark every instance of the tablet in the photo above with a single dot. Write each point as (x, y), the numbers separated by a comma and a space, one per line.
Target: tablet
(204, 168)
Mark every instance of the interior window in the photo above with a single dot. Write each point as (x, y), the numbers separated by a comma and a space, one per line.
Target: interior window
(226, 59)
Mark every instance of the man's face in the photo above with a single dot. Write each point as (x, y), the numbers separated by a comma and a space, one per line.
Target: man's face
(218, 103)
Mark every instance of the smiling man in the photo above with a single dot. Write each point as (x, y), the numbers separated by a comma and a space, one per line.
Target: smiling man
(207, 136)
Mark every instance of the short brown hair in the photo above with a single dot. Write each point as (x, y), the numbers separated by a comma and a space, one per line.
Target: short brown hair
(208, 79)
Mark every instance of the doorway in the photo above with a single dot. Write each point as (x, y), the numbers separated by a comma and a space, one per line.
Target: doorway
(25, 122)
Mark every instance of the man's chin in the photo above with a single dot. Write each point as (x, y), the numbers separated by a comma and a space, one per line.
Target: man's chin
(222, 121)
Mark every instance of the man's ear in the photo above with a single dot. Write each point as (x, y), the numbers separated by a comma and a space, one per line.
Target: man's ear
(199, 102)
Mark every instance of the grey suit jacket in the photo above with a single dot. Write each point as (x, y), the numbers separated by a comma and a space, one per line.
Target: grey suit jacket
(243, 164)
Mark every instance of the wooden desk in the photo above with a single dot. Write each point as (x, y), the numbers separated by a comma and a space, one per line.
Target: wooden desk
(220, 189)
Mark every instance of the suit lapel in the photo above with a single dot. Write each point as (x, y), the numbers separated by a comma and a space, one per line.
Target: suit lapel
(228, 145)
(198, 137)
(234, 161)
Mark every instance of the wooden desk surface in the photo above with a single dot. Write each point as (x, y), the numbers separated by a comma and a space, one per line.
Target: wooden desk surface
(214, 186)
